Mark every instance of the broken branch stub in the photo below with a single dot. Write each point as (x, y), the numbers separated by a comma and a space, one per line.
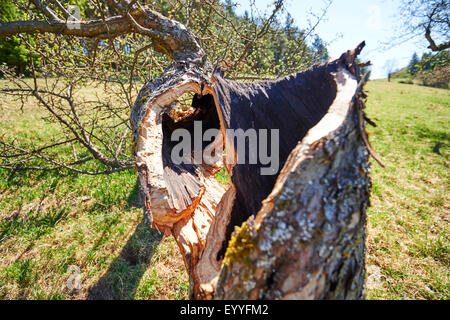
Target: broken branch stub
(300, 231)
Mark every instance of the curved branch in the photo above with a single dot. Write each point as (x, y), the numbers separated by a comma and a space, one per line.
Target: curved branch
(112, 27)
(45, 9)
(433, 46)
(169, 36)
(430, 40)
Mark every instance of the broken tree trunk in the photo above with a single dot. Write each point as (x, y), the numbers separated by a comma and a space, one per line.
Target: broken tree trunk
(294, 233)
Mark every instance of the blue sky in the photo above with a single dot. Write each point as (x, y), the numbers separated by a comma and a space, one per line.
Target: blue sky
(348, 22)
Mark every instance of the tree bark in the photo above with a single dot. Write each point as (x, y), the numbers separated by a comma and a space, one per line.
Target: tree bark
(297, 234)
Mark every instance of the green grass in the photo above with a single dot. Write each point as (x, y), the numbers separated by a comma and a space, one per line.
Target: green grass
(222, 176)
(408, 242)
(52, 220)
(50, 223)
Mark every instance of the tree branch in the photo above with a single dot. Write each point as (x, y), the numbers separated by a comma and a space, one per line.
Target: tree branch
(45, 10)
(433, 45)
(430, 40)
(169, 36)
(114, 27)
(64, 11)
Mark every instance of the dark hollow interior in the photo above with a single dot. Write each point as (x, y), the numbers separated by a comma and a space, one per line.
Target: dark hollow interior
(293, 105)
(181, 179)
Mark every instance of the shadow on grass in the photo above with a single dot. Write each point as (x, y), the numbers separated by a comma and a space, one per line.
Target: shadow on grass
(435, 135)
(18, 178)
(125, 272)
(134, 200)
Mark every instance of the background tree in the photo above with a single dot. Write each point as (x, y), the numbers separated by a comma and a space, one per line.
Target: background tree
(427, 19)
(389, 67)
(320, 49)
(431, 61)
(433, 69)
(413, 64)
(12, 52)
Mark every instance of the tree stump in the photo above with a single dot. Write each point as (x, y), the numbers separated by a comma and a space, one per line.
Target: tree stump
(295, 234)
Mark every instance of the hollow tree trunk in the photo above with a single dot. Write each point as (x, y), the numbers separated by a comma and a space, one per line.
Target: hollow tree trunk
(299, 232)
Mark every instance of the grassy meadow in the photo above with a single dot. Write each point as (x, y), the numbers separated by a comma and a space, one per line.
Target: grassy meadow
(408, 247)
(50, 221)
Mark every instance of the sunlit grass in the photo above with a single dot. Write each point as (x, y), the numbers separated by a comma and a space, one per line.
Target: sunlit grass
(408, 242)
(52, 220)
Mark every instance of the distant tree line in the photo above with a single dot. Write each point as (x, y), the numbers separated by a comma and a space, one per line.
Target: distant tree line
(428, 62)
(432, 69)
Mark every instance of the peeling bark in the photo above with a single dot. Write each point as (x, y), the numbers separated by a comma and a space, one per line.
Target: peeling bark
(299, 233)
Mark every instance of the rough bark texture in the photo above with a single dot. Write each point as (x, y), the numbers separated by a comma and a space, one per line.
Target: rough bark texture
(301, 231)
